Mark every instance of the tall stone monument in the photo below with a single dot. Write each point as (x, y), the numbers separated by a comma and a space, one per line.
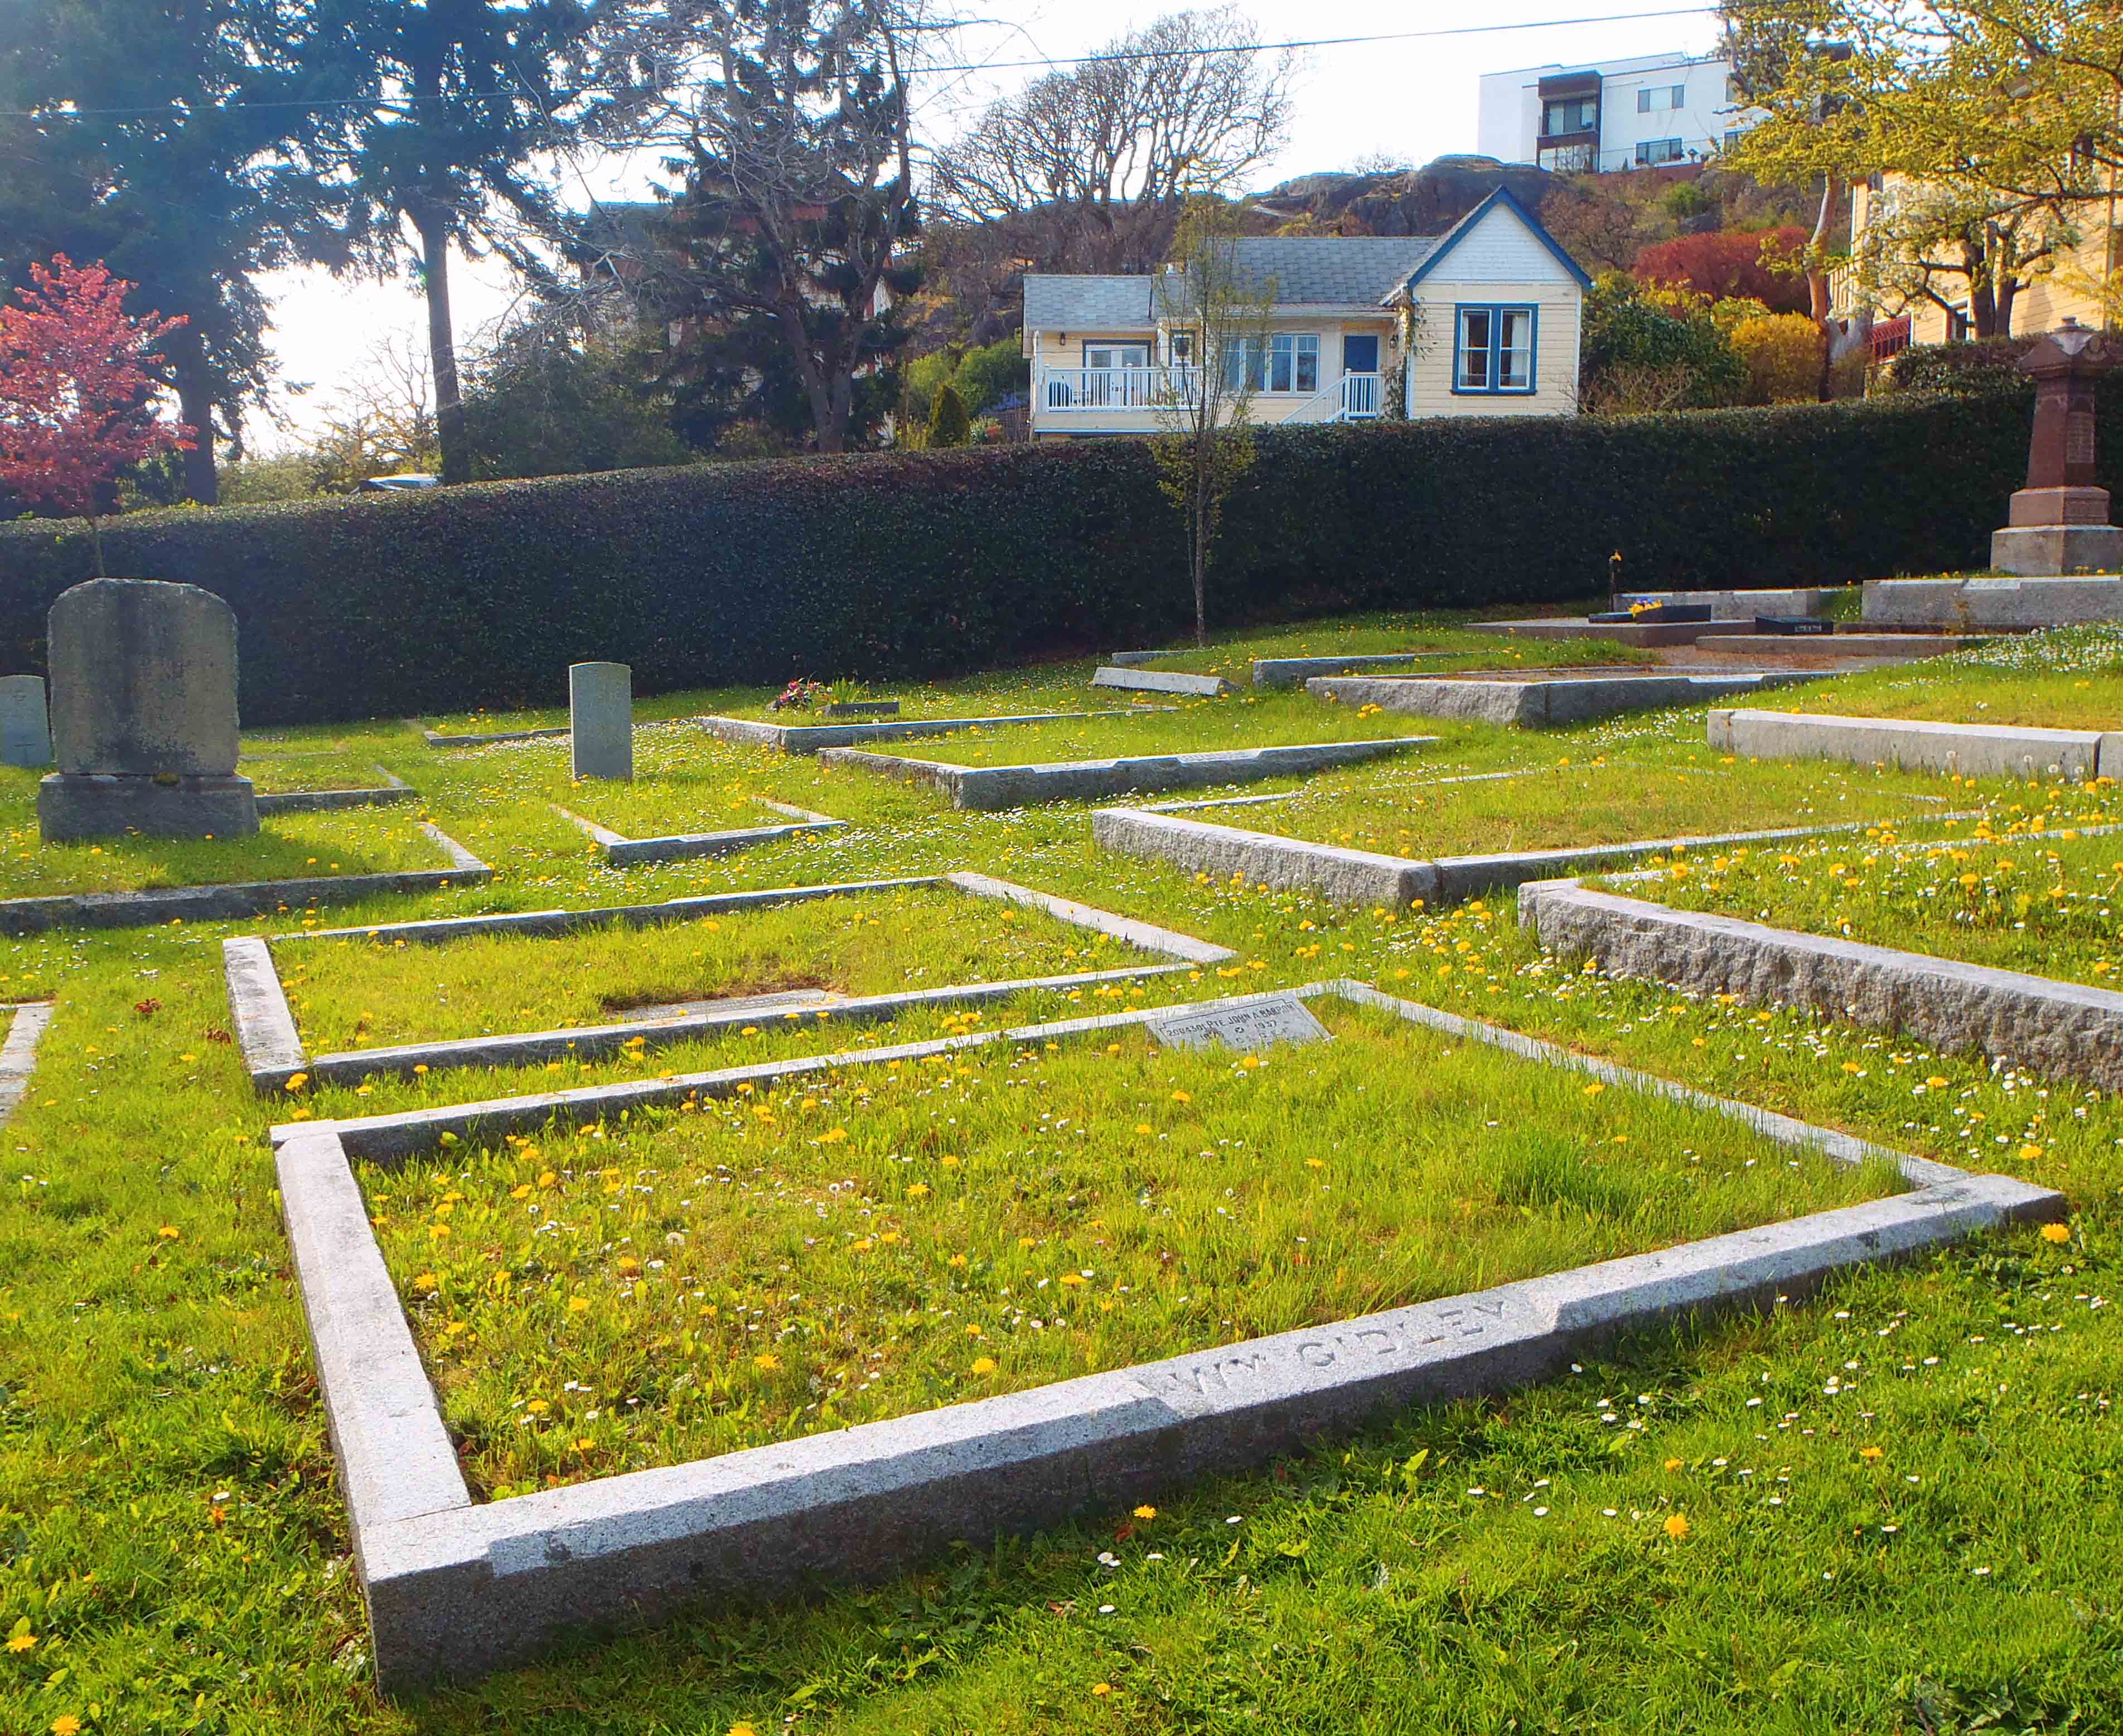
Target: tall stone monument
(601, 720)
(2058, 522)
(144, 714)
(26, 730)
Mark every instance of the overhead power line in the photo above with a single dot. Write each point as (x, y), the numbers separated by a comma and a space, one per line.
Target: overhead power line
(1040, 62)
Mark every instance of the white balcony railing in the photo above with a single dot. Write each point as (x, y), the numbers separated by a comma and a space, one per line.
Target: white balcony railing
(1357, 397)
(1116, 388)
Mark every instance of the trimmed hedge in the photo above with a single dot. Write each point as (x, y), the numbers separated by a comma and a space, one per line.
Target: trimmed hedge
(1987, 364)
(888, 566)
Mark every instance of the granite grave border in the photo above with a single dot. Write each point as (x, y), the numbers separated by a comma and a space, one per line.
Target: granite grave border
(1918, 744)
(620, 851)
(456, 1589)
(28, 1021)
(1130, 679)
(748, 732)
(1342, 875)
(1544, 701)
(235, 900)
(273, 1052)
(990, 788)
(393, 791)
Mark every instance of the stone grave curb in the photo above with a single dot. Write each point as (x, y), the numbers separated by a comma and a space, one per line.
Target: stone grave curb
(2059, 1028)
(1136, 659)
(627, 852)
(274, 1053)
(434, 740)
(1880, 647)
(1737, 605)
(1541, 703)
(455, 1590)
(18, 1054)
(1649, 636)
(2030, 601)
(747, 732)
(1345, 876)
(990, 788)
(233, 901)
(1913, 744)
(1161, 681)
(393, 790)
(1290, 672)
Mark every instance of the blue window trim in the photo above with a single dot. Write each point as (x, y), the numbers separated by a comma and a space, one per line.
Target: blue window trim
(1495, 310)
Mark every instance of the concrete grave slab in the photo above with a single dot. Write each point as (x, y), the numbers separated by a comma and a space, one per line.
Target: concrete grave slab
(1742, 606)
(27, 1025)
(26, 730)
(747, 732)
(2014, 604)
(490, 739)
(1345, 876)
(990, 788)
(1162, 681)
(236, 900)
(1973, 750)
(1541, 701)
(625, 852)
(1884, 647)
(2063, 1029)
(1620, 632)
(456, 1589)
(274, 1053)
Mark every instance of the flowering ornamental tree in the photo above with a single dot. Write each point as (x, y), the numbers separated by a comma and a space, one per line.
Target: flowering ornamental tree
(74, 397)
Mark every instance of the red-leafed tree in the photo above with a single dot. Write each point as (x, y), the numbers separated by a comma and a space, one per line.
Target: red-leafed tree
(76, 401)
(1723, 263)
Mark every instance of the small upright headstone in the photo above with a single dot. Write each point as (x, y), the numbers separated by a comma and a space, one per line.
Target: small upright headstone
(2058, 522)
(25, 733)
(144, 714)
(601, 715)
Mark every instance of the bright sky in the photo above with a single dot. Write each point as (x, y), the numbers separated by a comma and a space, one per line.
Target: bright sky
(1413, 99)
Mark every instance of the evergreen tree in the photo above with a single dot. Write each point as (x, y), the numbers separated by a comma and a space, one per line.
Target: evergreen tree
(948, 424)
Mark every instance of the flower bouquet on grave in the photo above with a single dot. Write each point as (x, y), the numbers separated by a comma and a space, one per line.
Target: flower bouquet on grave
(800, 695)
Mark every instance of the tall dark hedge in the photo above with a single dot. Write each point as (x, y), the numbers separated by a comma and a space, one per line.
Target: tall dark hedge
(888, 566)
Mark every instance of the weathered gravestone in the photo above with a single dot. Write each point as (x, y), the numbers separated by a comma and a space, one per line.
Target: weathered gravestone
(1251, 1025)
(2058, 522)
(25, 733)
(144, 714)
(601, 715)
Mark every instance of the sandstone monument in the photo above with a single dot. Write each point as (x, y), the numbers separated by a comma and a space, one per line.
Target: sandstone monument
(144, 715)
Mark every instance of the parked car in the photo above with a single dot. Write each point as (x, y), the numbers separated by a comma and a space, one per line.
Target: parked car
(399, 485)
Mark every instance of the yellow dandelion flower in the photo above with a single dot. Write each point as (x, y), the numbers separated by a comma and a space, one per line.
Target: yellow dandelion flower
(1146, 1513)
(23, 1642)
(1595, 1088)
(1182, 1096)
(66, 1724)
(1144, 1127)
(1676, 1527)
(424, 1280)
(578, 1305)
(920, 1190)
(295, 1081)
(2029, 1153)
(766, 1362)
(1872, 1452)
(1101, 1689)
(1673, 1464)
(957, 1260)
(2057, 1232)
(984, 1365)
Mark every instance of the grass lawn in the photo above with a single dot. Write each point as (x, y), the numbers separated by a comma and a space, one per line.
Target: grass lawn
(175, 1551)
(287, 846)
(357, 993)
(275, 773)
(2070, 678)
(2048, 905)
(1659, 789)
(888, 1241)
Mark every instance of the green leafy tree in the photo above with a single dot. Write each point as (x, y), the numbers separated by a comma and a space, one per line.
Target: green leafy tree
(1204, 442)
(467, 102)
(948, 424)
(798, 200)
(174, 141)
(545, 403)
(1647, 348)
(988, 375)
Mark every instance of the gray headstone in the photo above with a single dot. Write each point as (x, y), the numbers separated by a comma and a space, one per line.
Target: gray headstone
(601, 711)
(1252, 1025)
(143, 679)
(26, 734)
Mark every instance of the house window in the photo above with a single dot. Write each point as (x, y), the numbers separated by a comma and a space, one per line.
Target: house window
(1572, 114)
(1181, 345)
(1653, 98)
(1657, 150)
(1494, 350)
(1285, 361)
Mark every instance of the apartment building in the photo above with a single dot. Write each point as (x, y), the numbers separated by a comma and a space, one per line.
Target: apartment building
(1620, 114)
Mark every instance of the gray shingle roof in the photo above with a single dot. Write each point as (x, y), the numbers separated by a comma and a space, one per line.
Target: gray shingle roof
(1054, 303)
(1341, 269)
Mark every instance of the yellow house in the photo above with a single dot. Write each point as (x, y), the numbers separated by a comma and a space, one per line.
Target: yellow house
(1484, 319)
(2067, 287)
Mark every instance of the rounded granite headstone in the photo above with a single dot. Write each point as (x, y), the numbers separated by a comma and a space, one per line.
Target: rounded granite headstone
(25, 735)
(143, 679)
(601, 720)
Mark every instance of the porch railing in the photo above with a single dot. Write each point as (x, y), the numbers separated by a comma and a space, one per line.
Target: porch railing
(1116, 388)
(1360, 396)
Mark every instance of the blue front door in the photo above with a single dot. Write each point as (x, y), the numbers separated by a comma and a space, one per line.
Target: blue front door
(1360, 354)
